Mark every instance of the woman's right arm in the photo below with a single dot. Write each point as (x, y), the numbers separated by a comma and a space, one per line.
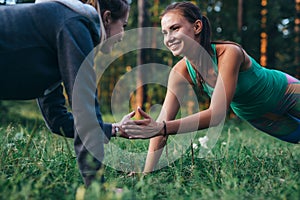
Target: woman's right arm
(156, 145)
(177, 85)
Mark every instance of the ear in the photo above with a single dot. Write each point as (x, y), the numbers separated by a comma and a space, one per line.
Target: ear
(106, 18)
(198, 27)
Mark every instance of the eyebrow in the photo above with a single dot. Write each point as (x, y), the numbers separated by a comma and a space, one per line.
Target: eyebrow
(173, 26)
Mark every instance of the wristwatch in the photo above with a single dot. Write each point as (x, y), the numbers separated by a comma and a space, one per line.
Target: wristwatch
(115, 130)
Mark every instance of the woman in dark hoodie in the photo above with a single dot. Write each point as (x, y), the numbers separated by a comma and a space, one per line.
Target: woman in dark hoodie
(50, 45)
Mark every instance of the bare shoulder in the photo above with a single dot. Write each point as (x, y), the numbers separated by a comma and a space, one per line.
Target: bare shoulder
(180, 73)
(229, 49)
(180, 66)
(234, 54)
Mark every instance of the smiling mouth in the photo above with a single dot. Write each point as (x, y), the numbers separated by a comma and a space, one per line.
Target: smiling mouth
(174, 46)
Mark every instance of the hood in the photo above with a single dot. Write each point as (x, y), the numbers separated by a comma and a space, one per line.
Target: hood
(79, 7)
(85, 10)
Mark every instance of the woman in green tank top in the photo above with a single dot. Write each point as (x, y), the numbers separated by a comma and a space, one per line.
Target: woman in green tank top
(267, 99)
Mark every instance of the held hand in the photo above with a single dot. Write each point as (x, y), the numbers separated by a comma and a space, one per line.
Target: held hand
(142, 129)
(119, 132)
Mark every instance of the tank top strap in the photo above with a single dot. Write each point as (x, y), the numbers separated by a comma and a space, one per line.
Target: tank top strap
(214, 57)
(192, 71)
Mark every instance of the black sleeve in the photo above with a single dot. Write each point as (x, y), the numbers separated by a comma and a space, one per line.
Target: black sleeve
(75, 45)
(55, 113)
(57, 117)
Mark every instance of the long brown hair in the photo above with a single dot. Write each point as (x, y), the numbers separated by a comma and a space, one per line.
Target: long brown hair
(192, 13)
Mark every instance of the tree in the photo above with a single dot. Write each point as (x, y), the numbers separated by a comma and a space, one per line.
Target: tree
(263, 34)
(141, 53)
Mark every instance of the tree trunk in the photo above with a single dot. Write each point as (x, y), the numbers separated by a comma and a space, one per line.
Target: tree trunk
(240, 15)
(140, 54)
(263, 35)
(240, 21)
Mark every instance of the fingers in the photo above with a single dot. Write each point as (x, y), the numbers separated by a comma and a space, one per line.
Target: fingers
(138, 122)
(130, 115)
(141, 137)
(124, 135)
(136, 137)
(143, 113)
(133, 173)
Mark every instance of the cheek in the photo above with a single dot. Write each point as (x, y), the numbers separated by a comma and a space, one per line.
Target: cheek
(181, 35)
(165, 41)
(117, 29)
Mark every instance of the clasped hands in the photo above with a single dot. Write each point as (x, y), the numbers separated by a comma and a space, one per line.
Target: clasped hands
(138, 129)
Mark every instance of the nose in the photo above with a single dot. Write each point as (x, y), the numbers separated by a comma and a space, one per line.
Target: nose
(168, 38)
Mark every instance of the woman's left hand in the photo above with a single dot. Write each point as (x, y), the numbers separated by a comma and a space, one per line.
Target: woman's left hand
(125, 119)
(143, 129)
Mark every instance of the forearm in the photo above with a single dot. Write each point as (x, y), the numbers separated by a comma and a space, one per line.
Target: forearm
(157, 144)
(55, 114)
(156, 147)
(197, 121)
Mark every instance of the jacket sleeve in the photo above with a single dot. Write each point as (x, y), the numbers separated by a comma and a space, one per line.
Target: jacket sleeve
(57, 117)
(55, 113)
(76, 58)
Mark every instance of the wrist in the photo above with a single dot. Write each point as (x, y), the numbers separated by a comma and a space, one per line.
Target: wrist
(114, 130)
(164, 129)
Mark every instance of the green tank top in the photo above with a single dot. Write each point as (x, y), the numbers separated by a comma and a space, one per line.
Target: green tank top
(258, 89)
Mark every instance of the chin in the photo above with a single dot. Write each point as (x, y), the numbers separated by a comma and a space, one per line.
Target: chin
(106, 49)
(176, 53)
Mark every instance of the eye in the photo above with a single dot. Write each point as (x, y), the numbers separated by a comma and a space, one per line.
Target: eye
(175, 28)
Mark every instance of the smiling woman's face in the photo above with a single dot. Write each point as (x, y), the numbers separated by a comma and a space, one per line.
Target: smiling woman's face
(178, 33)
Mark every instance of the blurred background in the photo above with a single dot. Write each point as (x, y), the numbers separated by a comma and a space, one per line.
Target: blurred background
(268, 30)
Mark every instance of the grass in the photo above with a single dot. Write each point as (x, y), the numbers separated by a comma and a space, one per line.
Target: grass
(244, 164)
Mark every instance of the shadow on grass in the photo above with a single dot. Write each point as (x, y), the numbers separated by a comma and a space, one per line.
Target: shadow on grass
(20, 112)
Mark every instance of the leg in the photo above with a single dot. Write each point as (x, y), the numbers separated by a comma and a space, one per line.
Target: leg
(283, 127)
(284, 121)
(293, 90)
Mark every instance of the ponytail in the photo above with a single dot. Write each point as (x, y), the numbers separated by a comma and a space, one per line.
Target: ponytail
(206, 35)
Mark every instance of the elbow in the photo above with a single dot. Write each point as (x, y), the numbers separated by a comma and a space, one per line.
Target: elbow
(63, 128)
(217, 116)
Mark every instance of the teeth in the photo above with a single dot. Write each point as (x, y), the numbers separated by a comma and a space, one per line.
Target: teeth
(174, 45)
